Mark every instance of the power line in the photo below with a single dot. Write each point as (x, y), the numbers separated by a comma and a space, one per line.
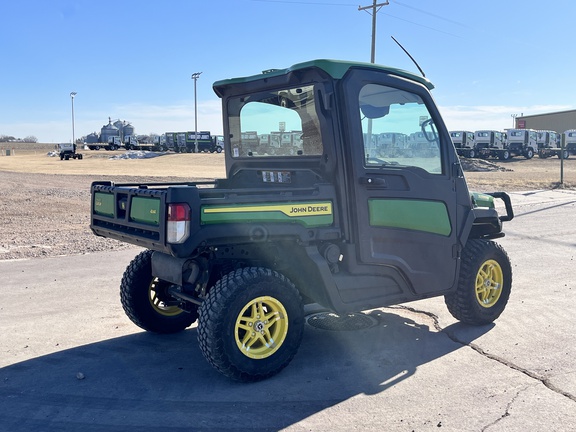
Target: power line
(304, 2)
(421, 25)
(428, 13)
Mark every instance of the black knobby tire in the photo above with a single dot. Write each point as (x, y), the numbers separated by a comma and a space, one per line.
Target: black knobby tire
(143, 298)
(484, 284)
(251, 298)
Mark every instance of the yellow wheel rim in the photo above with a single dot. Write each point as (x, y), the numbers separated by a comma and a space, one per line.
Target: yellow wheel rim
(489, 283)
(261, 327)
(154, 294)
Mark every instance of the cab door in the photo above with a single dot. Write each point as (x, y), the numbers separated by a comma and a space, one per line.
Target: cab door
(404, 196)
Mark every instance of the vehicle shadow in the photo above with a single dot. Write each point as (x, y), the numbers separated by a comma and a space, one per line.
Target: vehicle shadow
(146, 381)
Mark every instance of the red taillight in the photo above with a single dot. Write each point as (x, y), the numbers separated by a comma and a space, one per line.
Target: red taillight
(178, 226)
(178, 212)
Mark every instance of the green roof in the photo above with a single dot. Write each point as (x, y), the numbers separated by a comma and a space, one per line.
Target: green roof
(335, 68)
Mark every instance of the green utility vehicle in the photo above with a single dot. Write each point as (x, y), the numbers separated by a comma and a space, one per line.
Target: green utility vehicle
(337, 222)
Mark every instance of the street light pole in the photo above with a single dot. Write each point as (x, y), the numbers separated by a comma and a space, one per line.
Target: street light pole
(72, 94)
(514, 120)
(195, 77)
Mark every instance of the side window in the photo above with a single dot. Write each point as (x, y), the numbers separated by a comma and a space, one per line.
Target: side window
(398, 129)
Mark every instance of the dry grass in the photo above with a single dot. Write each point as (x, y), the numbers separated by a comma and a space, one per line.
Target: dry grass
(515, 174)
(35, 160)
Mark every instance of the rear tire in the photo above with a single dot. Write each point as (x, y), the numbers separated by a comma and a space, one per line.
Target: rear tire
(251, 324)
(144, 299)
(484, 284)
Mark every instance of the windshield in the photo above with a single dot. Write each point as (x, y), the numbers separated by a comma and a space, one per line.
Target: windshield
(275, 123)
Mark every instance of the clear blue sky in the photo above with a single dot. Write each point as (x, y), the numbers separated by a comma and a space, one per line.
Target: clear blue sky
(132, 60)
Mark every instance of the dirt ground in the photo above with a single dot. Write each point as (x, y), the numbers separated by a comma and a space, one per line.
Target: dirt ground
(45, 202)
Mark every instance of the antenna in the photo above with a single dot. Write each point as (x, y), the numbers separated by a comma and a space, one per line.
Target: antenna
(411, 58)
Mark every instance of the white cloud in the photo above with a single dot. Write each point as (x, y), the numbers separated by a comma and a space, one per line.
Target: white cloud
(175, 118)
(493, 117)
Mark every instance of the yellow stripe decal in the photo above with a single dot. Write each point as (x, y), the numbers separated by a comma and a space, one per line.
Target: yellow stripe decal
(290, 210)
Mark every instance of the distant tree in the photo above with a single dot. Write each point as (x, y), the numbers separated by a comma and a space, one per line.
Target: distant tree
(30, 139)
(6, 138)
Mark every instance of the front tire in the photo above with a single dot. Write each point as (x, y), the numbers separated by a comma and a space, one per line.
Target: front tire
(145, 299)
(251, 324)
(484, 284)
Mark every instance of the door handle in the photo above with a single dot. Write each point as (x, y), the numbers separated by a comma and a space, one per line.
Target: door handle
(373, 181)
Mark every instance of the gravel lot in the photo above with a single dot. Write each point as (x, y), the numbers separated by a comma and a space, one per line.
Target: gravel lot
(45, 202)
(45, 215)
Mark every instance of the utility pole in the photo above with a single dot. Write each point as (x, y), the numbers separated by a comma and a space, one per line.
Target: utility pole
(375, 8)
(514, 120)
(195, 77)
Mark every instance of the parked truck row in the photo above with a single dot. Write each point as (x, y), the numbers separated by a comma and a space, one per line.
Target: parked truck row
(187, 142)
(514, 142)
(122, 134)
(179, 142)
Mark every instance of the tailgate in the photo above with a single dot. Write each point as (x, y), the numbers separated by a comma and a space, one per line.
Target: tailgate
(131, 214)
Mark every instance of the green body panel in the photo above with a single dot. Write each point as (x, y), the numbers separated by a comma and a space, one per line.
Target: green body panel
(335, 68)
(309, 214)
(104, 204)
(417, 215)
(145, 210)
(482, 200)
